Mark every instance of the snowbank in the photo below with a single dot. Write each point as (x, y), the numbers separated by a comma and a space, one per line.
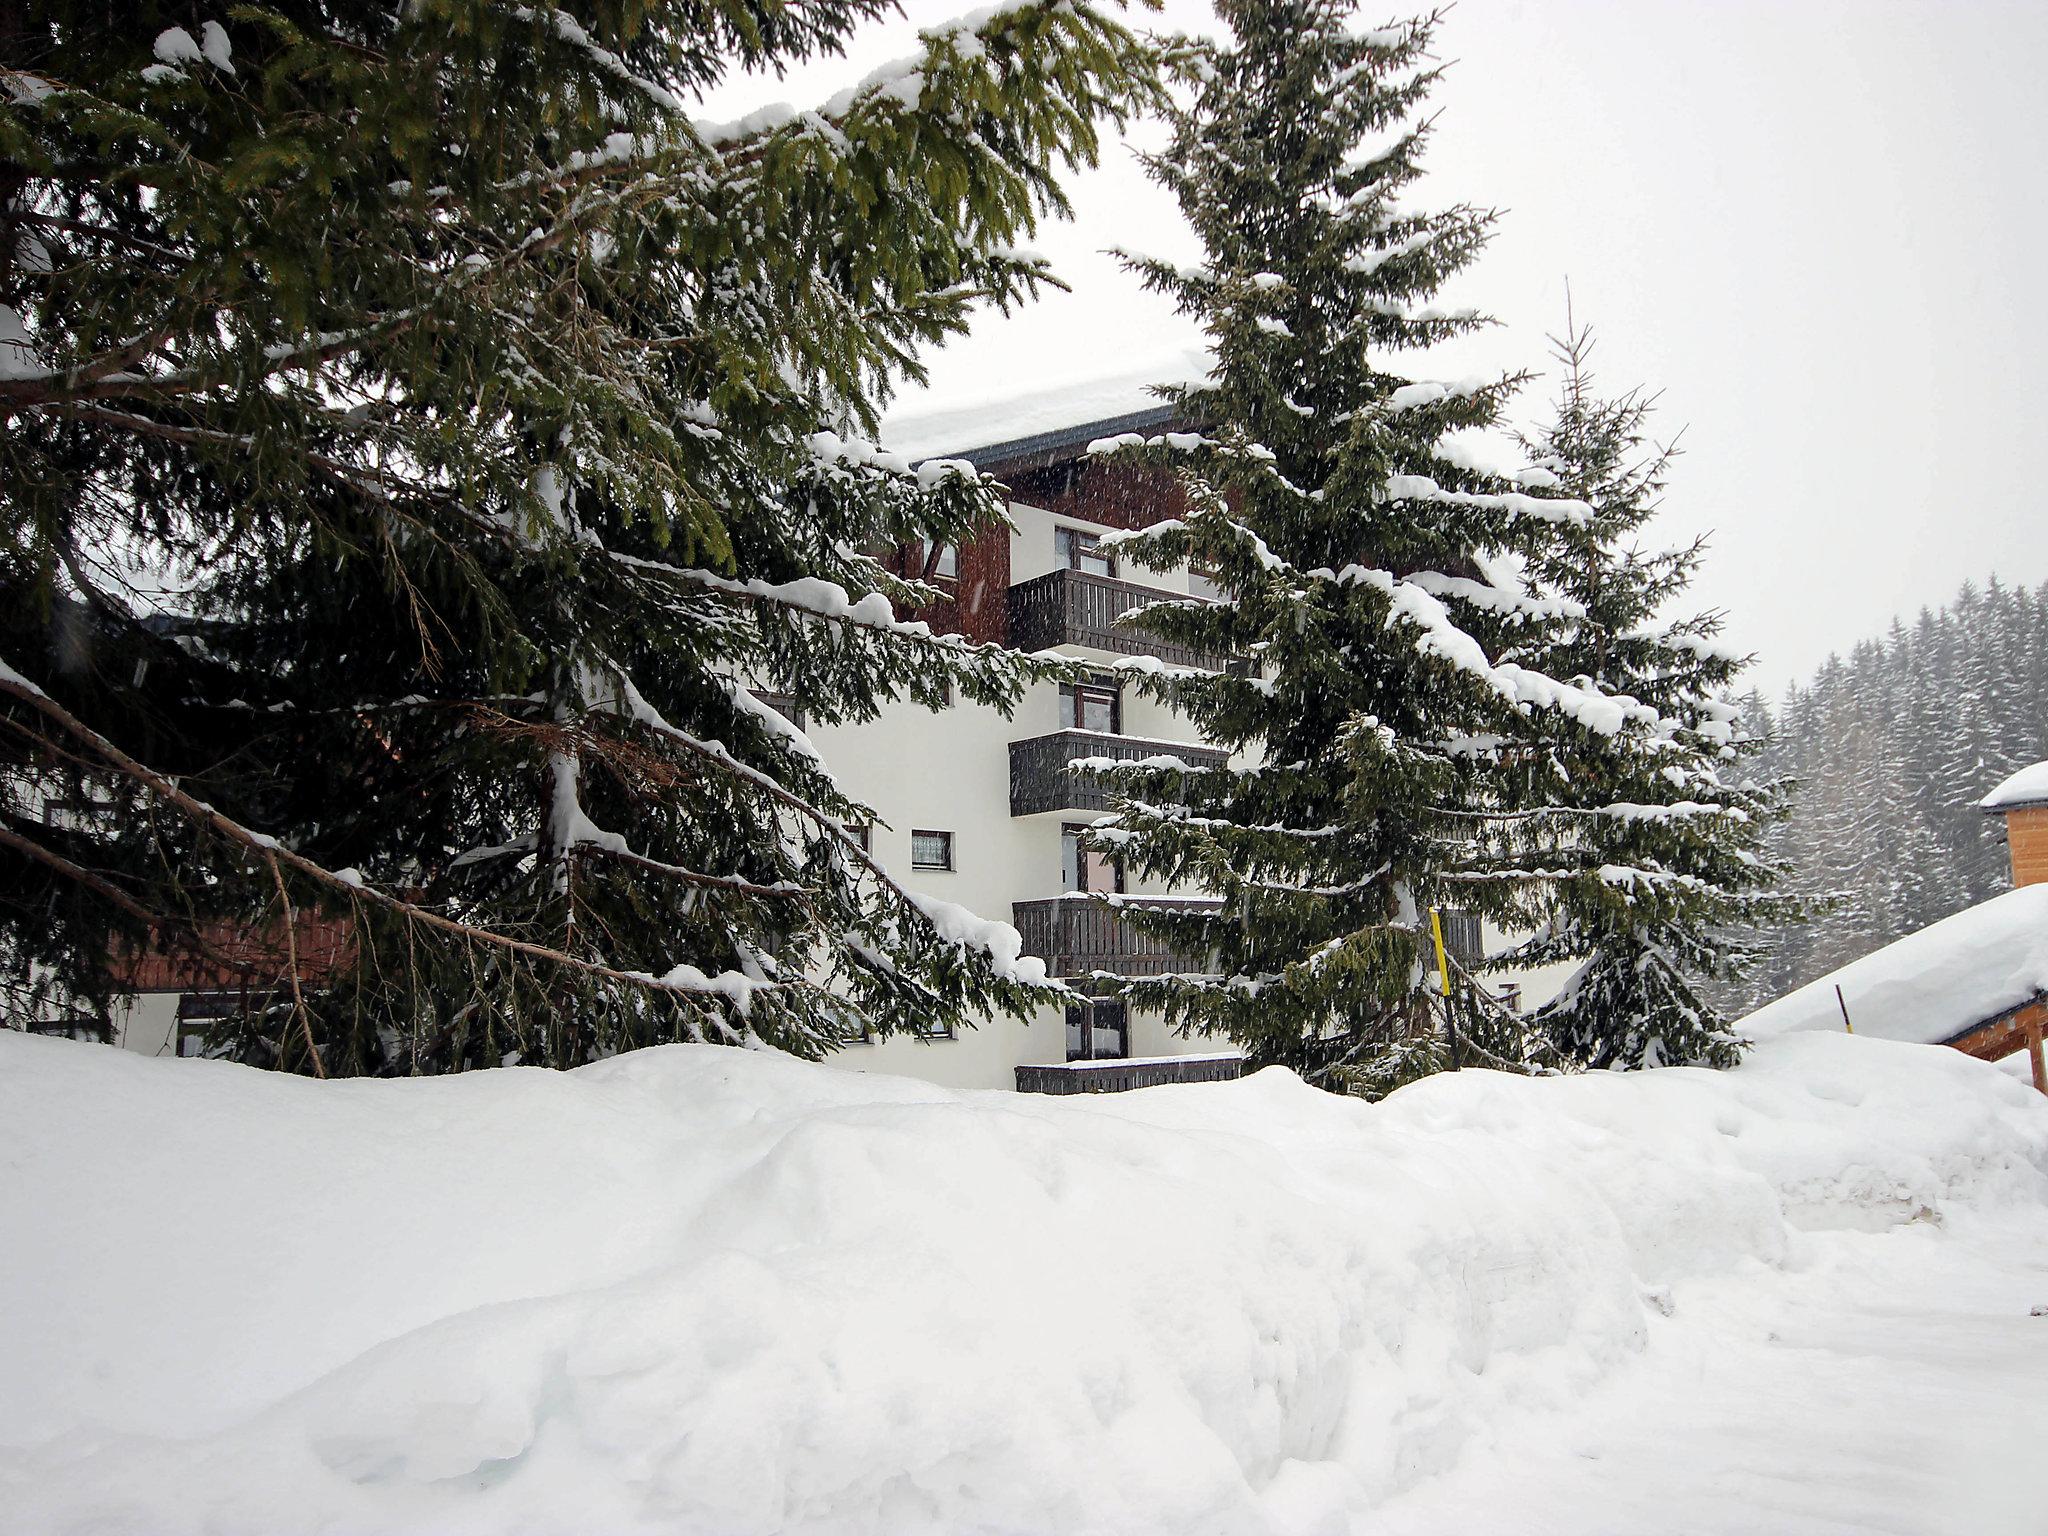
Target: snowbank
(701, 1290)
(1931, 985)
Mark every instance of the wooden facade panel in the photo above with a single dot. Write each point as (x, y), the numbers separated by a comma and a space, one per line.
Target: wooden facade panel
(249, 957)
(976, 602)
(2026, 831)
(1115, 495)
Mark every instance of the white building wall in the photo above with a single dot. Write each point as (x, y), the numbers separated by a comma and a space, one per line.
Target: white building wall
(949, 771)
(148, 1023)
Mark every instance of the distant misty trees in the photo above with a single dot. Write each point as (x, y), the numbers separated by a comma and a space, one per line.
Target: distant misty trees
(1891, 749)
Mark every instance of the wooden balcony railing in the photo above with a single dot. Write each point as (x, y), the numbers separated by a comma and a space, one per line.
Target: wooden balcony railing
(1070, 607)
(1042, 776)
(1121, 1076)
(1075, 935)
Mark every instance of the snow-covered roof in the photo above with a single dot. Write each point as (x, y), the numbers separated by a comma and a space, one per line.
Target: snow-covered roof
(1932, 985)
(2027, 787)
(1007, 421)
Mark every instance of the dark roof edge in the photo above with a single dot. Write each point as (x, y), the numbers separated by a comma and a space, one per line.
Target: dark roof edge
(1078, 435)
(1997, 1018)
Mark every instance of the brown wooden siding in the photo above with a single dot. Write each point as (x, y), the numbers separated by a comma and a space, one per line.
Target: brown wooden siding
(975, 604)
(2026, 830)
(249, 957)
(1116, 495)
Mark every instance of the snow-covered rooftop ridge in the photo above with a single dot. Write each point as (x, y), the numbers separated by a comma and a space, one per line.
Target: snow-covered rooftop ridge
(924, 426)
(1932, 985)
(2027, 787)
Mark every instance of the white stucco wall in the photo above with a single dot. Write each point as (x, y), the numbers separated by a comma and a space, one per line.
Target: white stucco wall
(950, 771)
(149, 1024)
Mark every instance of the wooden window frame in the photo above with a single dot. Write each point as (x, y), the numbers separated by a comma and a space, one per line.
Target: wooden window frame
(1069, 828)
(1073, 694)
(1088, 1005)
(1071, 543)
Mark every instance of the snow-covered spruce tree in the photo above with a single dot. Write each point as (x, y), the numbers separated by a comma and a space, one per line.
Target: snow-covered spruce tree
(1659, 839)
(1365, 565)
(418, 439)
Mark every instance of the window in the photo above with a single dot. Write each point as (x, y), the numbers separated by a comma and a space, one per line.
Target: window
(938, 1031)
(783, 704)
(1098, 1029)
(942, 564)
(931, 850)
(863, 833)
(1083, 869)
(1510, 995)
(1079, 550)
(1093, 706)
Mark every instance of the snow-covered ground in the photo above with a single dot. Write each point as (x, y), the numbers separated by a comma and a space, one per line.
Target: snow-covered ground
(700, 1290)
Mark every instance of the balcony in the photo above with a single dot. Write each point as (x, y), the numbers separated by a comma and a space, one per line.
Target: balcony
(1122, 1076)
(1075, 936)
(1077, 608)
(1042, 776)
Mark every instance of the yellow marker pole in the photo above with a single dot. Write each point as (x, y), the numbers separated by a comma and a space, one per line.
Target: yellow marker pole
(1443, 976)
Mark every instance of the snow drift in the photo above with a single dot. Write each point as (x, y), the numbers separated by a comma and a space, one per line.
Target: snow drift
(700, 1290)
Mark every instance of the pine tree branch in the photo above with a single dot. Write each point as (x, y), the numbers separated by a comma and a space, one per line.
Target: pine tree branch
(291, 951)
(14, 686)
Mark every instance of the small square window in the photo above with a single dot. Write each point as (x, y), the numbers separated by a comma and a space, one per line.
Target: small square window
(945, 565)
(931, 850)
(863, 835)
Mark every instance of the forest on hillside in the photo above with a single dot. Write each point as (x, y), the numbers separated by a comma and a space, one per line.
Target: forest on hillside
(1890, 748)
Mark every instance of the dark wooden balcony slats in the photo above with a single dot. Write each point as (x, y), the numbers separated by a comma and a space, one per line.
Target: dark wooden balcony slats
(1121, 1076)
(1041, 780)
(1464, 939)
(1069, 607)
(1075, 936)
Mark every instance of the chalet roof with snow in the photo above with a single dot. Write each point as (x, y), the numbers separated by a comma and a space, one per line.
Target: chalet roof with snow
(1935, 987)
(1041, 422)
(2028, 787)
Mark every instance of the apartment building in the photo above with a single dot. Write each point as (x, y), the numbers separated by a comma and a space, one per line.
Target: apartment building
(982, 809)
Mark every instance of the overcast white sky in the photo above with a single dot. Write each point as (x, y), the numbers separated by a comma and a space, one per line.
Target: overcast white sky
(1816, 225)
